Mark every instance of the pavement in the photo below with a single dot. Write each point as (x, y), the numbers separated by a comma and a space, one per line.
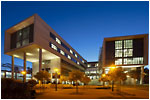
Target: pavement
(91, 93)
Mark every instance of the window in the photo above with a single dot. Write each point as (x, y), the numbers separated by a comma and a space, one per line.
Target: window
(58, 41)
(25, 42)
(83, 61)
(54, 47)
(71, 51)
(137, 60)
(128, 44)
(76, 55)
(128, 52)
(118, 44)
(69, 57)
(118, 53)
(78, 63)
(52, 35)
(62, 52)
(128, 61)
(118, 62)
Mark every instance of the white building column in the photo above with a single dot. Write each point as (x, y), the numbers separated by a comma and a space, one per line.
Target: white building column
(40, 59)
(142, 75)
(24, 58)
(12, 70)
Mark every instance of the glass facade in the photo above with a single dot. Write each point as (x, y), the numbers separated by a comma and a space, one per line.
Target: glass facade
(124, 53)
(22, 37)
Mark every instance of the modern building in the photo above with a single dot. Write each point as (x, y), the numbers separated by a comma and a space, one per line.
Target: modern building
(128, 52)
(93, 72)
(35, 41)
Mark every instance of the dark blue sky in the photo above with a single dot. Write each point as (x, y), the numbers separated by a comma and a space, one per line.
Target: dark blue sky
(82, 24)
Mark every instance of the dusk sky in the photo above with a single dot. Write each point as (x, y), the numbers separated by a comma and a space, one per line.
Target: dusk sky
(83, 25)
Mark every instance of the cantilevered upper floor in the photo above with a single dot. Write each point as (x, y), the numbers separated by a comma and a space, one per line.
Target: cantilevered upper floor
(33, 33)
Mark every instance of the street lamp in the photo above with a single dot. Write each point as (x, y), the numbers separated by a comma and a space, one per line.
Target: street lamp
(56, 71)
(23, 73)
(112, 68)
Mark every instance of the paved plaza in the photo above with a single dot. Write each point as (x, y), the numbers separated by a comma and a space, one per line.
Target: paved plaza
(126, 93)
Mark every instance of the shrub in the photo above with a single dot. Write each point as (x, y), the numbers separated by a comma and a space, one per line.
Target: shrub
(12, 89)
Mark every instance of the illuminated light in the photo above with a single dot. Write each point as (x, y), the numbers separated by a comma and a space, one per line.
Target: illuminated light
(78, 63)
(23, 72)
(69, 57)
(56, 69)
(125, 71)
(15, 55)
(34, 60)
(83, 61)
(128, 76)
(103, 75)
(43, 50)
(42, 62)
(58, 41)
(29, 54)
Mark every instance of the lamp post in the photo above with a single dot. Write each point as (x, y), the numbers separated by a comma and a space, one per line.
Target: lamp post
(23, 73)
(112, 68)
(56, 71)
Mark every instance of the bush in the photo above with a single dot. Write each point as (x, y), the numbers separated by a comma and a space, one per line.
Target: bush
(14, 89)
(32, 83)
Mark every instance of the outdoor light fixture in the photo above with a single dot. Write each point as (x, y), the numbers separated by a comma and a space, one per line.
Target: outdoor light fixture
(29, 54)
(103, 75)
(23, 72)
(56, 70)
(15, 55)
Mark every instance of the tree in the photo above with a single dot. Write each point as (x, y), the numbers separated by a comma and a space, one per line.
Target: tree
(63, 78)
(134, 74)
(42, 76)
(117, 75)
(104, 78)
(76, 76)
(85, 80)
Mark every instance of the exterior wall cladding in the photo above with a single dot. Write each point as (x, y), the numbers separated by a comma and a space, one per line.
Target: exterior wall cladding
(41, 35)
(139, 49)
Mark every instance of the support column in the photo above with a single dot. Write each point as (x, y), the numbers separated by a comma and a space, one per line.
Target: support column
(12, 70)
(24, 76)
(40, 59)
(142, 75)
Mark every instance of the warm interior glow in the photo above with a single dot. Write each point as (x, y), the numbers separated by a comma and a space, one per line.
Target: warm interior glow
(103, 75)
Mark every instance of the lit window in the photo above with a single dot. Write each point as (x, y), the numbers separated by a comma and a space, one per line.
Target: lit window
(118, 62)
(89, 65)
(128, 61)
(118, 44)
(93, 72)
(69, 57)
(83, 61)
(76, 55)
(62, 52)
(18, 44)
(128, 52)
(118, 53)
(71, 51)
(137, 60)
(54, 47)
(58, 41)
(128, 44)
(78, 63)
